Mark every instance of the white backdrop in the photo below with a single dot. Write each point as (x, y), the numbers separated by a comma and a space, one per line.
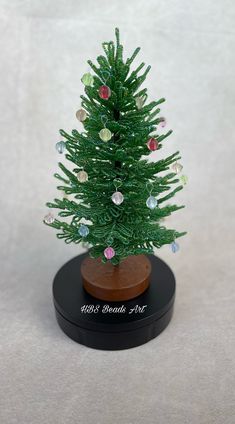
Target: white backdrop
(185, 375)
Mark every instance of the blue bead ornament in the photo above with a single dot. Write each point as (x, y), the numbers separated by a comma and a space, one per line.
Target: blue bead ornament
(60, 146)
(151, 202)
(83, 230)
(174, 247)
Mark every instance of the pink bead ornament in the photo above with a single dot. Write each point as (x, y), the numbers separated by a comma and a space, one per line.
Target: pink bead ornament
(104, 92)
(109, 252)
(152, 144)
(163, 122)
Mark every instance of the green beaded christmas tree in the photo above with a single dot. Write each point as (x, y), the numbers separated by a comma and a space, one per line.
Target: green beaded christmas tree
(114, 199)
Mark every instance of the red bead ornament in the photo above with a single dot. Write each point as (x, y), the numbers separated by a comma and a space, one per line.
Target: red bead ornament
(152, 144)
(104, 92)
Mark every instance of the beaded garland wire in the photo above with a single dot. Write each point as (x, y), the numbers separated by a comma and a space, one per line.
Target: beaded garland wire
(117, 228)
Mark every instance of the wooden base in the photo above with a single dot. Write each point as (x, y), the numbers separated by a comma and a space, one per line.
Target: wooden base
(113, 325)
(114, 283)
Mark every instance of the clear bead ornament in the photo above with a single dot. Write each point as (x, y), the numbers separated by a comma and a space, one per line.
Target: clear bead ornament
(151, 202)
(49, 218)
(117, 198)
(174, 247)
(83, 230)
(177, 167)
(60, 147)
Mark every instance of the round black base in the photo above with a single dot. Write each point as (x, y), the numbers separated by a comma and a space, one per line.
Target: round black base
(113, 325)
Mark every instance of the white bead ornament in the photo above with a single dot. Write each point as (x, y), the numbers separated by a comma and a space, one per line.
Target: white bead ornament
(82, 176)
(117, 198)
(81, 115)
(184, 179)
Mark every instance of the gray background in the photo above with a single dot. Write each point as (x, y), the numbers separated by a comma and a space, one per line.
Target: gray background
(186, 375)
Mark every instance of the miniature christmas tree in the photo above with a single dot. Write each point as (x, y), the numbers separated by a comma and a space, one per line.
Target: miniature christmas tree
(113, 198)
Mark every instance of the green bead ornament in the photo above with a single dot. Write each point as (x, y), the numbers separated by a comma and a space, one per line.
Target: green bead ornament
(105, 134)
(184, 179)
(87, 79)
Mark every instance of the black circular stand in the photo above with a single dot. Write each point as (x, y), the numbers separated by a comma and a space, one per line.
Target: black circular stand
(113, 325)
